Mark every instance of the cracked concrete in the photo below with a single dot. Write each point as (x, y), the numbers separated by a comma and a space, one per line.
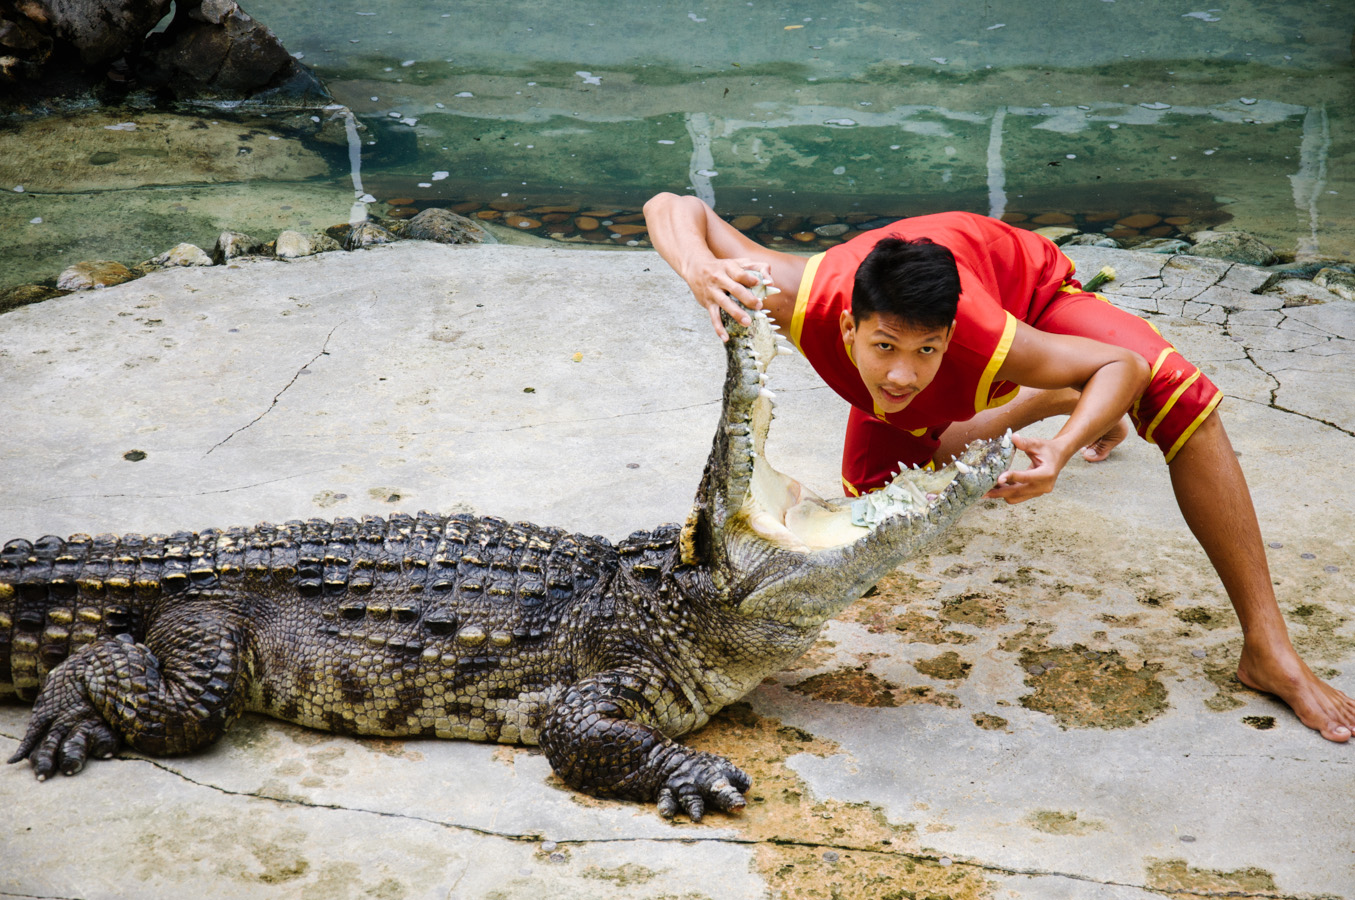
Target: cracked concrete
(946, 737)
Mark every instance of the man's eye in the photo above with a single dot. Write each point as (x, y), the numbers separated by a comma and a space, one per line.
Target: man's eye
(926, 351)
(885, 347)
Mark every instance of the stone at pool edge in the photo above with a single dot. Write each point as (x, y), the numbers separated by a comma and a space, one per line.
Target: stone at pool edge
(183, 254)
(293, 244)
(445, 227)
(24, 294)
(1236, 246)
(235, 244)
(94, 273)
(1340, 283)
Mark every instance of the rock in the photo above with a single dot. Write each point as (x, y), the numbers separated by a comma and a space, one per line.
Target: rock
(834, 229)
(234, 244)
(100, 31)
(1237, 246)
(1300, 292)
(367, 234)
(1163, 245)
(213, 48)
(1057, 233)
(180, 255)
(746, 223)
(95, 273)
(445, 227)
(586, 223)
(294, 244)
(1092, 240)
(24, 294)
(1053, 218)
(1342, 284)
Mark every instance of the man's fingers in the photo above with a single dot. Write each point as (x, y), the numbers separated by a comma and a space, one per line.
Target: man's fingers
(715, 320)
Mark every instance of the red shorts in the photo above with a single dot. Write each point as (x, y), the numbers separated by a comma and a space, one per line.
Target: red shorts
(1177, 400)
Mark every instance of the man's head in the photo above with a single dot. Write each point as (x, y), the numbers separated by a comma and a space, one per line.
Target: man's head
(915, 282)
(900, 324)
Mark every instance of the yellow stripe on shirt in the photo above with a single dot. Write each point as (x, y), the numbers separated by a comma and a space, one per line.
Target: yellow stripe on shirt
(995, 362)
(797, 319)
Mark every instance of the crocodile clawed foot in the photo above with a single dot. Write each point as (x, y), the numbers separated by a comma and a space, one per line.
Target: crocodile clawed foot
(64, 733)
(702, 779)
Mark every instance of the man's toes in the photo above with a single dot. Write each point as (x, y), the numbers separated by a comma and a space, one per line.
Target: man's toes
(1336, 732)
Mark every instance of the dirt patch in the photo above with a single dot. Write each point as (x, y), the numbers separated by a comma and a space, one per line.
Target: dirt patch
(811, 873)
(1053, 821)
(1081, 688)
(1206, 617)
(974, 609)
(855, 686)
(990, 722)
(1175, 875)
(1260, 723)
(947, 667)
(622, 876)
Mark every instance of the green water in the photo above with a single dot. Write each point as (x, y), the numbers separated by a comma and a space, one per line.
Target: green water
(1239, 116)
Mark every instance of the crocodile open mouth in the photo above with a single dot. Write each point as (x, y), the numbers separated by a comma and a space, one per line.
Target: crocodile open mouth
(790, 515)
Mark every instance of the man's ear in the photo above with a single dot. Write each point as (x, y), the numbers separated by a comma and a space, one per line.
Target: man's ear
(847, 323)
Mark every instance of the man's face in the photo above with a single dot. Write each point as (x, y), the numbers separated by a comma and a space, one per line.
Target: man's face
(896, 361)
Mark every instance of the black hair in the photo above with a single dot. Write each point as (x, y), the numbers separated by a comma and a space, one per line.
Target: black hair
(916, 281)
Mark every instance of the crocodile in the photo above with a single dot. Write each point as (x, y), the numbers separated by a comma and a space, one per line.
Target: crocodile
(470, 627)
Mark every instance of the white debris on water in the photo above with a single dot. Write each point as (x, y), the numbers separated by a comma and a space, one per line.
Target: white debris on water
(438, 176)
(1203, 16)
(121, 126)
(589, 77)
(464, 94)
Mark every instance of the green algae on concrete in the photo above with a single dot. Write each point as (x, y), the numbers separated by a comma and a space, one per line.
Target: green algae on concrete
(1053, 821)
(1178, 878)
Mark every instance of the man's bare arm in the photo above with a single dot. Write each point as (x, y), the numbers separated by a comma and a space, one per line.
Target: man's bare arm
(1109, 378)
(713, 258)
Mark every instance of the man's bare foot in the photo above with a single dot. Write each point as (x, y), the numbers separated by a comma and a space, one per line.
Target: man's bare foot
(1100, 448)
(1317, 704)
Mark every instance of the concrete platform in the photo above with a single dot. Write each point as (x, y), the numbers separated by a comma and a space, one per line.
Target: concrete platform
(1042, 708)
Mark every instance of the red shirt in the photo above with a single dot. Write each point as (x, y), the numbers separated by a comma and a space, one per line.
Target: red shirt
(1006, 274)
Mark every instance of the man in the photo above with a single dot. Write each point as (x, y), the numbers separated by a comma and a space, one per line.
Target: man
(929, 328)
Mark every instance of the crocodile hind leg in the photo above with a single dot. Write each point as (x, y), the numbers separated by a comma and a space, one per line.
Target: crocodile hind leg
(174, 693)
(597, 739)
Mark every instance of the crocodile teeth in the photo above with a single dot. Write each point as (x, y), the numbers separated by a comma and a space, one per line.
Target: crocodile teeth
(766, 395)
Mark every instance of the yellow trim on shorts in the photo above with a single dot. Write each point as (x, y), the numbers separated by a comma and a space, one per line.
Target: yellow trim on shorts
(851, 488)
(797, 319)
(1199, 420)
(1157, 364)
(1171, 401)
(995, 362)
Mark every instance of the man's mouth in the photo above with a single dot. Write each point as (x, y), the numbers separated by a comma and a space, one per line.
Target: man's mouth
(901, 396)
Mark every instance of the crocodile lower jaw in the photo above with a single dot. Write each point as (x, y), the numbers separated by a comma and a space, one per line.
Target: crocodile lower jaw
(793, 517)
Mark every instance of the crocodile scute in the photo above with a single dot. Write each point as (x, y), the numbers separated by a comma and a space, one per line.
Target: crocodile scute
(459, 626)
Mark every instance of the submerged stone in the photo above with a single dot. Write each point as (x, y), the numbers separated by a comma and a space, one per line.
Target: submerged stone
(1163, 245)
(1058, 234)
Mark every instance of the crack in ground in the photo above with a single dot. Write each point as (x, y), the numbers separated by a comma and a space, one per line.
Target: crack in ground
(933, 858)
(206, 493)
(276, 397)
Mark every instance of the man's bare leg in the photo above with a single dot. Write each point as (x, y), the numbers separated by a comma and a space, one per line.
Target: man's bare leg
(1212, 493)
(1030, 406)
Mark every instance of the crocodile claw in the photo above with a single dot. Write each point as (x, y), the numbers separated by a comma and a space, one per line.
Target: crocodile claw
(701, 779)
(64, 733)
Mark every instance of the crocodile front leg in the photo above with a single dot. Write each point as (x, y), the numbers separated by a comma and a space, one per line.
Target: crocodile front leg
(597, 739)
(173, 694)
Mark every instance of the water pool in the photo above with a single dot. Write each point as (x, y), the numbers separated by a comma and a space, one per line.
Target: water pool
(1134, 118)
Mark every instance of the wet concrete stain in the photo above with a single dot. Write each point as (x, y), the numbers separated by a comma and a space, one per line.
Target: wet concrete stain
(1081, 688)
(855, 686)
(1053, 821)
(1179, 879)
(990, 722)
(979, 610)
